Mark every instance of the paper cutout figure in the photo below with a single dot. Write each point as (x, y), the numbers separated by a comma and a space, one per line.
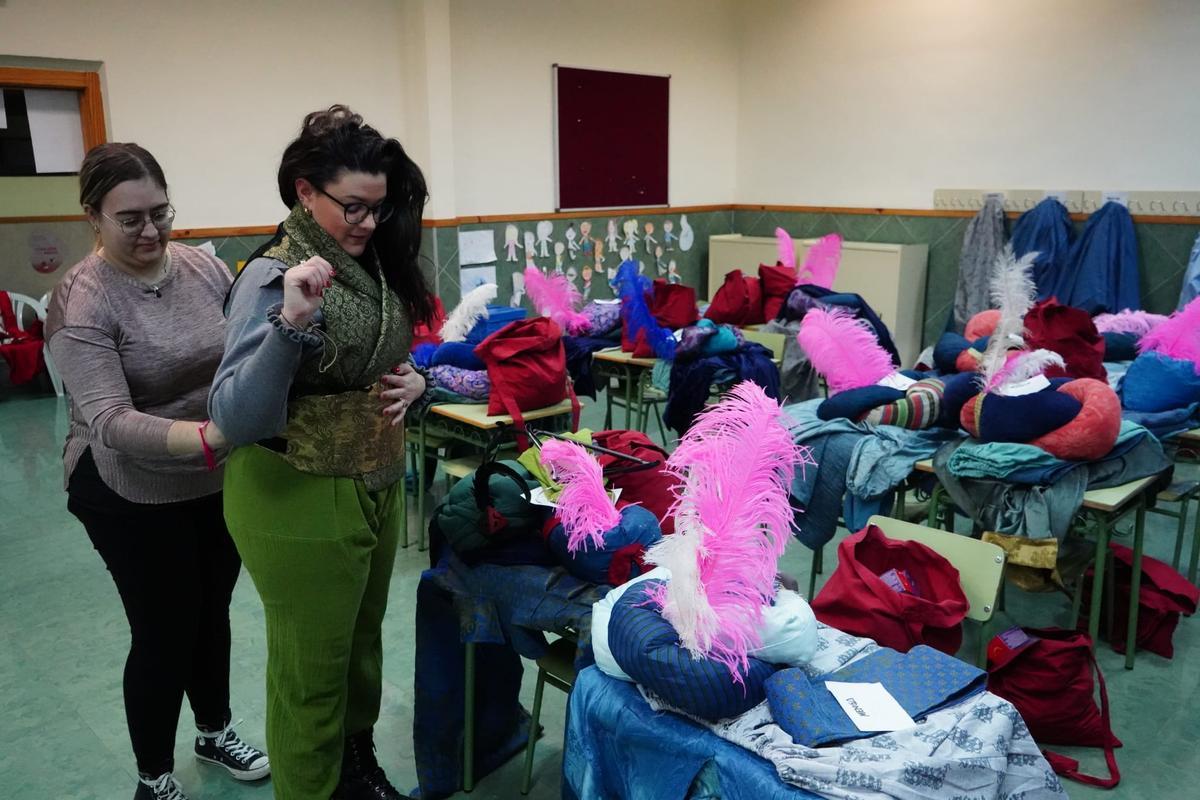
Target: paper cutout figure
(518, 281)
(669, 236)
(559, 249)
(612, 235)
(649, 239)
(544, 229)
(673, 275)
(631, 238)
(686, 235)
(625, 253)
(572, 274)
(530, 251)
(510, 242)
(658, 260)
(572, 247)
(641, 267)
(587, 281)
(585, 240)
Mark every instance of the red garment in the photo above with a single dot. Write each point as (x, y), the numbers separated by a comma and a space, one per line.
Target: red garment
(1069, 332)
(653, 489)
(430, 332)
(739, 301)
(673, 306)
(1163, 595)
(22, 348)
(856, 600)
(777, 283)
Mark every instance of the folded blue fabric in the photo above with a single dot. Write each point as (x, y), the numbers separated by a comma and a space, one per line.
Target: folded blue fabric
(1120, 346)
(1025, 418)
(1028, 464)
(1163, 424)
(1155, 382)
(647, 648)
(853, 403)
(723, 341)
(637, 526)
(457, 354)
(422, 355)
(923, 681)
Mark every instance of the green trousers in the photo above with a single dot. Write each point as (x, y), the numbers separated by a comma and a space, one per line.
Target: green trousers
(320, 551)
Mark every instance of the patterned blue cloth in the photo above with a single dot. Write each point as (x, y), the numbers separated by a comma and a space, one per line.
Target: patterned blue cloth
(923, 681)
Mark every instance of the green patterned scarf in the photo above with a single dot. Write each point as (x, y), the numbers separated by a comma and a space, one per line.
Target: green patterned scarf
(367, 330)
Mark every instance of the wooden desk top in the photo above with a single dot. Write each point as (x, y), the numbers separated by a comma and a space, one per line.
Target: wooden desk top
(1112, 499)
(475, 414)
(1191, 437)
(617, 356)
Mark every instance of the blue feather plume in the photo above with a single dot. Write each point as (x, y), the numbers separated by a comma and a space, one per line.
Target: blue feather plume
(632, 289)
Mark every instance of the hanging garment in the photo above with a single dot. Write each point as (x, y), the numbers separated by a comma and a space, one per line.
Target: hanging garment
(982, 243)
(1046, 230)
(1191, 278)
(1102, 268)
(692, 380)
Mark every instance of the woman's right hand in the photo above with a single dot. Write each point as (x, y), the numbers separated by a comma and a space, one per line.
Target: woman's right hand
(304, 288)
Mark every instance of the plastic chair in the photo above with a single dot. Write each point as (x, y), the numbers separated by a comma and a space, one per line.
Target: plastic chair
(21, 303)
(556, 668)
(980, 567)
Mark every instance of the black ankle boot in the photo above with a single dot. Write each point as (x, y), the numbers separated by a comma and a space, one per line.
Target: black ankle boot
(362, 777)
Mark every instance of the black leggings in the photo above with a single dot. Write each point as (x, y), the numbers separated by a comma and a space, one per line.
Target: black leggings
(175, 567)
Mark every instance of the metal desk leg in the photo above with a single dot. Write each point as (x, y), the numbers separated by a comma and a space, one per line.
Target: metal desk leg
(818, 557)
(935, 498)
(421, 467)
(1139, 531)
(607, 398)
(469, 719)
(1193, 562)
(628, 399)
(1104, 530)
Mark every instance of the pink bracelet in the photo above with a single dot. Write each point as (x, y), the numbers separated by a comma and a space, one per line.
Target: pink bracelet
(210, 458)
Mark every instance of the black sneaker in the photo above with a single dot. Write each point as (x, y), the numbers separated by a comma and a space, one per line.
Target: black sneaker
(362, 777)
(164, 787)
(226, 749)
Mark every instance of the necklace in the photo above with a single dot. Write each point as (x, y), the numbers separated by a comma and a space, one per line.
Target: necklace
(150, 285)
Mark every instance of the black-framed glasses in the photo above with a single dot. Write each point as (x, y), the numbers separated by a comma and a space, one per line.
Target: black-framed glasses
(160, 218)
(357, 212)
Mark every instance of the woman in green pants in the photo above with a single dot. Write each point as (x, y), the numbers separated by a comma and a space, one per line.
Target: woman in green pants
(313, 388)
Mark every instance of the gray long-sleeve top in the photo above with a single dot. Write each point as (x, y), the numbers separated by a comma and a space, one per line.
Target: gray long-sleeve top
(249, 395)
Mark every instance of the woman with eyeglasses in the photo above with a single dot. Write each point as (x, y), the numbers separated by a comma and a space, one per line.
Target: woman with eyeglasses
(312, 391)
(137, 332)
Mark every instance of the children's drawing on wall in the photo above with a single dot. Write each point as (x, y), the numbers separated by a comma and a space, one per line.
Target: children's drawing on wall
(659, 264)
(473, 277)
(585, 240)
(649, 238)
(611, 238)
(572, 246)
(669, 236)
(673, 272)
(631, 237)
(518, 283)
(587, 281)
(573, 276)
(530, 251)
(559, 250)
(544, 230)
(686, 235)
(511, 234)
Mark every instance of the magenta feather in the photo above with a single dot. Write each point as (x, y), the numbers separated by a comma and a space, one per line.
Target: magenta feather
(786, 247)
(584, 507)
(843, 349)
(821, 264)
(556, 297)
(732, 522)
(1137, 323)
(1178, 337)
(1023, 365)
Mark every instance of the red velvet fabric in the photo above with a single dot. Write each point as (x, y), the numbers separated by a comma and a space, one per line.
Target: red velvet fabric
(777, 283)
(739, 301)
(653, 489)
(430, 332)
(1069, 332)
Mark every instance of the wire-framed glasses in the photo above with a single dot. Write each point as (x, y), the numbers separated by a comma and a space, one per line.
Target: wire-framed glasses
(160, 218)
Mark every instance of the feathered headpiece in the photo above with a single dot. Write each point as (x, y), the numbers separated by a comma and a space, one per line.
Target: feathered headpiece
(556, 297)
(1137, 323)
(1013, 292)
(1021, 367)
(632, 289)
(844, 349)
(786, 247)
(1178, 337)
(732, 522)
(584, 507)
(471, 309)
(821, 265)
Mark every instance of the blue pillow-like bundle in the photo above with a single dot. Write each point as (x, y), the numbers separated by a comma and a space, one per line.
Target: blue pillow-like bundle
(637, 526)
(853, 403)
(1026, 417)
(1155, 382)
(457, 354)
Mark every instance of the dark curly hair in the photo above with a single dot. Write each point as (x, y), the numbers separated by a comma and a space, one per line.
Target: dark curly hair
(109, 164)
(337, 139)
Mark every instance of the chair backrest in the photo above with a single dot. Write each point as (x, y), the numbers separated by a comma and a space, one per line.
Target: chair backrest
(21, 302)
(771, 341)
(980, 565)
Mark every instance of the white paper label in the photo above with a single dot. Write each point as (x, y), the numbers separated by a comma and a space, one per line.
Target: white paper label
(897, 381)
(538, 497)
(870, 707)
(1028, 386)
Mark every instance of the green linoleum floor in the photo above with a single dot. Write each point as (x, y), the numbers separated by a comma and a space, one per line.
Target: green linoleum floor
(63, 640)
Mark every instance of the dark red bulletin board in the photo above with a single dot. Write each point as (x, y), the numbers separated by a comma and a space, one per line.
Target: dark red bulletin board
(611, 130)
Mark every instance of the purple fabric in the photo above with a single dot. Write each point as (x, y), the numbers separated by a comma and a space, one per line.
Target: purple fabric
(605, 317)
(472, 383)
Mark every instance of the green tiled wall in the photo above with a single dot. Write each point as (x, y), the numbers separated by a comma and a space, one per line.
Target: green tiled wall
(1164, 251)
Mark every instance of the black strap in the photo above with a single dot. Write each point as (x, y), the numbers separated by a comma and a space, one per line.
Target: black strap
(483, 494)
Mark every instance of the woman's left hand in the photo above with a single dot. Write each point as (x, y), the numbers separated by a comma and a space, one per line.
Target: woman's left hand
(401, 389)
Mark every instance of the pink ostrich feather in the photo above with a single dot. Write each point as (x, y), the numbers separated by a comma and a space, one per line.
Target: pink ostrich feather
(557, 298)
(1138, 323)
(843, 349)
(732, 522)
(821, 265)
(584, 507)
(1178, 337)
(786, 247)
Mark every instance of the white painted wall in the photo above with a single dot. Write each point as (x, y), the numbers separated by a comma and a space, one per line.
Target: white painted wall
(879, 102)
(502, 52)
(216, 89)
